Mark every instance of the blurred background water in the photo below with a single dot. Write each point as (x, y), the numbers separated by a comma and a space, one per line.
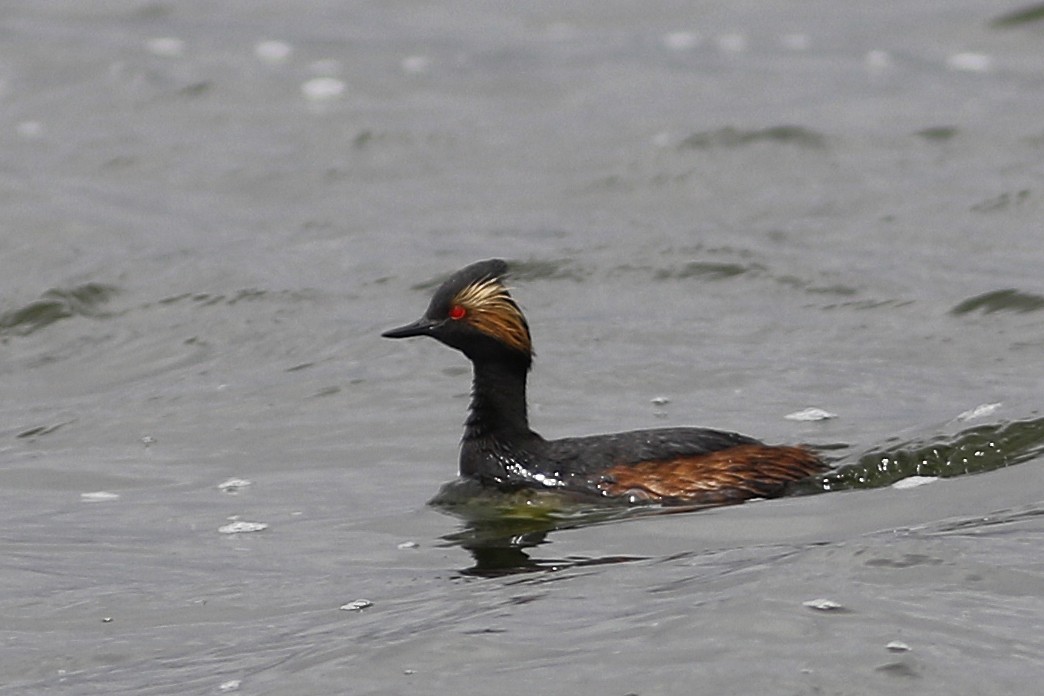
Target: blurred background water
(719, 214)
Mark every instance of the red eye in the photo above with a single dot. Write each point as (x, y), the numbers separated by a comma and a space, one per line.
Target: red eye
(457, 312)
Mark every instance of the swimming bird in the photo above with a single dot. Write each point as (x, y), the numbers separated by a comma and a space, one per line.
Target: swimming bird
(473, 312)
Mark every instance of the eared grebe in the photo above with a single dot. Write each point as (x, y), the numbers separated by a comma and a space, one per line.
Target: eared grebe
(474, 313)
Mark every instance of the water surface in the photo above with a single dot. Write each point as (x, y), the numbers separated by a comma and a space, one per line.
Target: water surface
(719, 215)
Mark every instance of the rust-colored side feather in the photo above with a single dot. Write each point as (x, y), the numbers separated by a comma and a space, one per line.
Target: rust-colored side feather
(728, 475)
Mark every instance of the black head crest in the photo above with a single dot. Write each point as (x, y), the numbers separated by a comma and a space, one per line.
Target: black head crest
(473, 311)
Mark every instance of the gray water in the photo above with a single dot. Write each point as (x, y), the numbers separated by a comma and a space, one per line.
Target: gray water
(719, 214)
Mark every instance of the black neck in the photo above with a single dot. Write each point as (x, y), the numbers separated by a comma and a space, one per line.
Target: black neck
(498, 399)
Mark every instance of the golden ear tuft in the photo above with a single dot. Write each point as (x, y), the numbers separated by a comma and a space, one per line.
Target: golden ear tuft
(491, 310)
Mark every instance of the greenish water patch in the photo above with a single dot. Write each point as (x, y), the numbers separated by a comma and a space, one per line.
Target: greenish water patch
(1001, 202)
(54, 305)
(937, 133)
(1010, 300)
(972, 451)
(737, 137)
(1015, 18)
(522, 509)
(498, 527)
(709, 270)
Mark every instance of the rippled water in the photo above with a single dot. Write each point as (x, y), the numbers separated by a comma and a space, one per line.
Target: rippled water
(717, 214)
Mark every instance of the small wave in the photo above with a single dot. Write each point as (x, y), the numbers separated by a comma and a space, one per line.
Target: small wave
(208, 299)
(57, 304)
(738, 137)
(972, 451)
(939, 134)
(1019, 17)
(1010, 300)
(710, 270)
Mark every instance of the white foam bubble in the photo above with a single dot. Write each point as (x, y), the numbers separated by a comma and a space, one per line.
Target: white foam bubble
(810, 414)
(681, 40)
(416, 65)
(662, 139)
(914, 482)
(877, 62)
(970, 62)
(322, 88)
(273, 52)
(233, 485)
(242, 527)
(30, 130)
(99, 496)
(166, 46)
(979, 411)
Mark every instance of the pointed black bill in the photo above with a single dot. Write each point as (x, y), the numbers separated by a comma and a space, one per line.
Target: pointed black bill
(421, 327)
